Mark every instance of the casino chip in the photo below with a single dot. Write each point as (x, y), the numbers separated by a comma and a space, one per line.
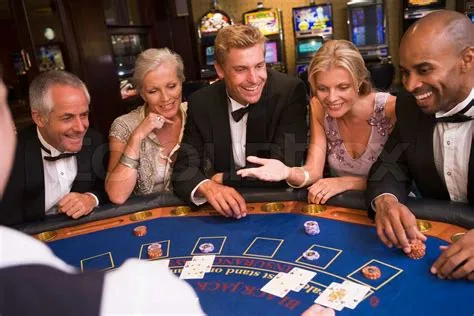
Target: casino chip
(311, 255)
(154, 250)
(311, 228)
(206, 247)
(140, 231)
(418, 250)
(371, 272)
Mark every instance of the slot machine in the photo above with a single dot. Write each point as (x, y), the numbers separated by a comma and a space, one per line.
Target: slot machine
(368, 31)
(414, 10)
(269, 22)
(208, 26)
(312, 26)
(470, 10)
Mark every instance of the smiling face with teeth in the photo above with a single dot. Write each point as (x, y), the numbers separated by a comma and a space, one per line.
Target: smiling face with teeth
(434, 69)
(336, 91)
(161, 90)
(244, 72)
(67, 123)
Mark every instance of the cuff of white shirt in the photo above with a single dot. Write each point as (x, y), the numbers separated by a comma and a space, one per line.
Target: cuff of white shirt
(95, 198)
(196, 198)
(372, 204)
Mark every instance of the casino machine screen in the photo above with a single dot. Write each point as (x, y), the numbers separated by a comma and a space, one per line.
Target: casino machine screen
(313, 20)
(308, 47)
(471, 16)
(271, 52)
(367, 25)
(210, 55)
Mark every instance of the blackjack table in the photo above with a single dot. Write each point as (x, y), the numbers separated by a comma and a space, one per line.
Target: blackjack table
(251, 251)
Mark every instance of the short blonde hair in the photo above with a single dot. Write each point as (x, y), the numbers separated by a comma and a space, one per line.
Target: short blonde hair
(153, 58)
(236, 36)
(344, 54)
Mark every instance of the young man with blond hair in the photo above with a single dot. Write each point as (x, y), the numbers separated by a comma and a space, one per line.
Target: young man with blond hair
(252, 110)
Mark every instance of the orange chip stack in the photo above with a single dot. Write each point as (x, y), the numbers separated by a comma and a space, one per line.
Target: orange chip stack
(371, 272)
(154, 251)
(418, 250)
(140, 231)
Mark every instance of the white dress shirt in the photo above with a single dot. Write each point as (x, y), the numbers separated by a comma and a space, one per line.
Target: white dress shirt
(452, 148)
(59, 176)
(135, 288)
(238, 133)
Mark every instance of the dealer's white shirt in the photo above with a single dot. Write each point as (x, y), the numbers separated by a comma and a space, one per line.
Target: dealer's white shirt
(136, 288)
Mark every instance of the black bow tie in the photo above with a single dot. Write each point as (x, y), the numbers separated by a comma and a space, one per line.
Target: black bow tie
(459, 117)
(61, 156)
(237, 115)
(55, 158)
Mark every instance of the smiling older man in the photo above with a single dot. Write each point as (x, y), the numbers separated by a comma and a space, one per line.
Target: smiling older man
(58, 163)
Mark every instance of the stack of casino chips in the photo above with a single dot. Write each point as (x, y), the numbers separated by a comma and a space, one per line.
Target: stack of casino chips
(140, 231)
(311, 255)
(206, 247)
(418, 249)
(371, 272)
(154, 250)
(311, 228)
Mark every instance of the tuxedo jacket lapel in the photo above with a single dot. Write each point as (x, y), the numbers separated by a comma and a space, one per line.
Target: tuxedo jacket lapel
(84, 172)
(470, 177)
(224, 159)
(34, 178)
(256, 124)
(425, 144)
(427, 164)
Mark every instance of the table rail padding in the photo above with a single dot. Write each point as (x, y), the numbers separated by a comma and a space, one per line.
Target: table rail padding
(460, 214)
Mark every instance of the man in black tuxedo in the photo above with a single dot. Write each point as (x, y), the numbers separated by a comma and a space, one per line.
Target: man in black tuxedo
(58, 162)
(250, 111)
(432, 141)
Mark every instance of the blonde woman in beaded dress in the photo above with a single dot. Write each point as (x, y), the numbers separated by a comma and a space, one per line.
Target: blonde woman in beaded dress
(143, 142)
(350, 123)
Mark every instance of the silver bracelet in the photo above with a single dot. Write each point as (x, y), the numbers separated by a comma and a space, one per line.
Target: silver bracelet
(305, 182)
(129, 161)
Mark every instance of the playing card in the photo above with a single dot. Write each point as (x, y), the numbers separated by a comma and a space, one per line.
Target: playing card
(205, 261)
(356, 293)
(187, 275)
(192, 271)
(299, 278)
(332, 297)
(278, 286)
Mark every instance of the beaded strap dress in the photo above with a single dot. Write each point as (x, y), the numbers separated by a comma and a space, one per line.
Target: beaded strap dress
(343, 164)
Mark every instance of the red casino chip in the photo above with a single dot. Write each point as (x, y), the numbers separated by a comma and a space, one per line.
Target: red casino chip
(418, 250)
(154, 251)
(140, 231)
(371, 272)
(374, 301)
